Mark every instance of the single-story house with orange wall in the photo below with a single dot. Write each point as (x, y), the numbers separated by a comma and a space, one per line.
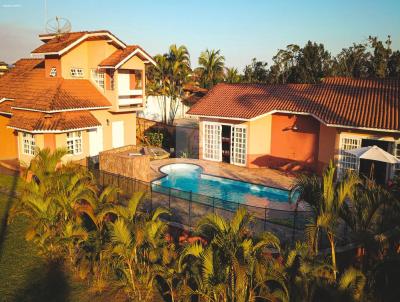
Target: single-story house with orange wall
(301, 126)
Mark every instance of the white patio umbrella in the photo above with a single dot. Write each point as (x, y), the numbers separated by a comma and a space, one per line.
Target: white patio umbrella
(374, 153)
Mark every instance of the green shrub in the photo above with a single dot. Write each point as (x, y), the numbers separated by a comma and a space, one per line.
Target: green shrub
(155, 138)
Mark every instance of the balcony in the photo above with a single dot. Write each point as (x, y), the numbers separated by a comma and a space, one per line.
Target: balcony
(126, 100)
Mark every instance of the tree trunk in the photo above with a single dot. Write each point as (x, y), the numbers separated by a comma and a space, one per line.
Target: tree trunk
(333, 254)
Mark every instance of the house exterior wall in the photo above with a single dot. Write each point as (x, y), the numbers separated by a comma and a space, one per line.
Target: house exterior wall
(259, 141)
(289, 145)
(50, 141)
(129, 119)
(328, 147)
(87, 55)
(8, 140)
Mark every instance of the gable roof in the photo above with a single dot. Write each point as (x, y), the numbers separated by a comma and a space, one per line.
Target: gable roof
(56, 122)
(27, 85)
(59, 44)
(343, 102)
(120, 56)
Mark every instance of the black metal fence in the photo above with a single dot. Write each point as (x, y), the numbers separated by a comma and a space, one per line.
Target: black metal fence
(187, 208)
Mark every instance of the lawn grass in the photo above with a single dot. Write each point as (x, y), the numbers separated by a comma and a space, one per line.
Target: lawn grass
(24, 276)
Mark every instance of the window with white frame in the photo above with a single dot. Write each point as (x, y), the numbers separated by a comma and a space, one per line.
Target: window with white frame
(212, 146)
(74, 142)
(28, 144)
(98, 77)
(348, 162)
(76, 72)
(53, 72)
(238, 146)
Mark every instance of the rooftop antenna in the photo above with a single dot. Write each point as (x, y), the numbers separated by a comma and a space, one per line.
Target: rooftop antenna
(58, 26)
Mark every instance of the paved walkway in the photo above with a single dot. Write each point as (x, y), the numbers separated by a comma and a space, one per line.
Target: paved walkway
(263, 176)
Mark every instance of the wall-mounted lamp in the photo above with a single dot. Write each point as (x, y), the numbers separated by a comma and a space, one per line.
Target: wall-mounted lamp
(108, 122)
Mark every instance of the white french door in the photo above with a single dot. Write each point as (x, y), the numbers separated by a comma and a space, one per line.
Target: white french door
(95, 141)
(348, 162)
(212, 141)
(117, 134)
(238, 145)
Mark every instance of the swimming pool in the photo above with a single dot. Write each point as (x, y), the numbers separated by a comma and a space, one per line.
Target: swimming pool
(189, 178)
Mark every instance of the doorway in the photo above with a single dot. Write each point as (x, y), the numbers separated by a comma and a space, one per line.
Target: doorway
(226, 143)
(379, 170)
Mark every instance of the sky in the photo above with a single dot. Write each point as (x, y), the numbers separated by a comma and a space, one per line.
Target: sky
(241, 29)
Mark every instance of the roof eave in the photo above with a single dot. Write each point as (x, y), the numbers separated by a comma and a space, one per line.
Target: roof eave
(299, 113)
(53, 131)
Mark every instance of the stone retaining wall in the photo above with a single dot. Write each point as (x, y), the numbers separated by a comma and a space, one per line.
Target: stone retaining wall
(119, 161)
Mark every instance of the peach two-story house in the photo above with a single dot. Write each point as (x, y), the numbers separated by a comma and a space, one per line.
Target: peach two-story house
(82, 92)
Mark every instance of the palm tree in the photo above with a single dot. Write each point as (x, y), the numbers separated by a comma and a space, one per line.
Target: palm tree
(49, 199)
(326, 197)
(167, 79)
(179, 62)
(310, 278)
(233, 266)
(211, 68)
(364, 214)
(232, 75)
(137, 241)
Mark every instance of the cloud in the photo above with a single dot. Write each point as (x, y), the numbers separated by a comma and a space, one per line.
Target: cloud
(17, 42)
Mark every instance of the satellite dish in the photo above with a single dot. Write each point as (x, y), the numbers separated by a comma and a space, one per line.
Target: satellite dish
(58, 26)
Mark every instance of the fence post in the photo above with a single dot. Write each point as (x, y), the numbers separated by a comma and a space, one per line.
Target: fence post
(294, 224)
(213, 205)
(151, 198)
(118, 187)
(169, 199)
(265, 219)
(190, 210)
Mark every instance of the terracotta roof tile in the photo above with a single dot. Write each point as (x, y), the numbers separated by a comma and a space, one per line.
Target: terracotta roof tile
(5, 107)
(55, 43)
(61, 121)
(119, 55)
(29, 87)
(366, 103)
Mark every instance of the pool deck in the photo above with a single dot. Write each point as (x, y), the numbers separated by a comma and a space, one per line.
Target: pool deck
(262, 176)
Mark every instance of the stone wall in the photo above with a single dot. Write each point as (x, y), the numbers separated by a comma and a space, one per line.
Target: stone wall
(122, 161)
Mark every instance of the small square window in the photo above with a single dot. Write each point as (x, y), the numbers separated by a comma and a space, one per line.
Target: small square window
(77, 72)
(74, 142)
(53, 72)
(28, 144)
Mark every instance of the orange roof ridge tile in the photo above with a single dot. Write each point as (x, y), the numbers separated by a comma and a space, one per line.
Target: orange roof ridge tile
(340, 101)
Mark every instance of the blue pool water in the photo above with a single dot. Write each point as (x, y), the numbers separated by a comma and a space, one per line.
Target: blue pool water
(189, 178)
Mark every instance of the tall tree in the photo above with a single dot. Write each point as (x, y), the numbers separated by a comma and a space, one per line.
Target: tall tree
(394, 64)
(353, 61)
(284, 63)
(256, 72)
(313, 63)
(211, 69)
(380, 58)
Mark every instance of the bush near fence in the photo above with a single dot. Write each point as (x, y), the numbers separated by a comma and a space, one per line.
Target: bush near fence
(183, 139)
